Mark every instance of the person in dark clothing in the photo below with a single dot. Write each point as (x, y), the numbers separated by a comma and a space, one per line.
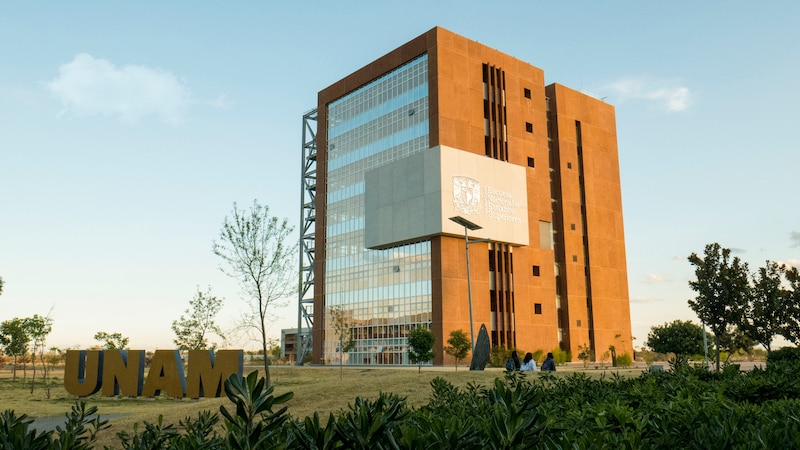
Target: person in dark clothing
(549, 364)
(513, 363)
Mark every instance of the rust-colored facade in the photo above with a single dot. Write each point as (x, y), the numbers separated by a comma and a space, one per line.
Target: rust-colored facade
(567, 287)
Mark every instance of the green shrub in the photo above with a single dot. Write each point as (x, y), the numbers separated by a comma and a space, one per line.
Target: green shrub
(15, 432)
(624, 360)
(500, 355)
(687, 408)
(560, 356)
(786, 358)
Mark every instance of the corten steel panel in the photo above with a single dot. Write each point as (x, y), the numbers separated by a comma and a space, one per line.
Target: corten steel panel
(603, 204)
(455, 296)
(461, 124)
(535, 331)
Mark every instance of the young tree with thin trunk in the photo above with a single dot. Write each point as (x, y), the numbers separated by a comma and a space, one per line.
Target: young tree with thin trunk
(193, 328)
(420, 346)
(255, 247)
(38, 327)
(723, 287)
(458, 345)
(344, 335)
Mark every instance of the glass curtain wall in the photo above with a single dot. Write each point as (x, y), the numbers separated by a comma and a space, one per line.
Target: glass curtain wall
(378, 295)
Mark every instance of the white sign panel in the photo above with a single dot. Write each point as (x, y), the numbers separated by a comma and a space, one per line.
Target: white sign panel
(414, 198)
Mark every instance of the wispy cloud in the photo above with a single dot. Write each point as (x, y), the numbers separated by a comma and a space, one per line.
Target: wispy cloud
(669, 95)
(657, 278)
(221, 102)
(90, 86)
(794, 236)
(645, 300)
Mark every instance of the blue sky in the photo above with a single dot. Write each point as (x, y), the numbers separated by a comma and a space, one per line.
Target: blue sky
(127, 131)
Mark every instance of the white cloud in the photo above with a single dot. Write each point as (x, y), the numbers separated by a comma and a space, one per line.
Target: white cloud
(657, 278)
(90, 86)
(667, 94)
(791, 262)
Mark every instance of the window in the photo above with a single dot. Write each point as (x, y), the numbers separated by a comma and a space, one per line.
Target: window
(545, 235)
(529, 127)
(537, 308)
(572, 226)
(527, 92)
(574, 258)
(578, 323)
(536, 271)
(530, 161)
(569, 165)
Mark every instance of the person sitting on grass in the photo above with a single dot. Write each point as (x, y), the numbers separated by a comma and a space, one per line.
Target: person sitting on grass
(513, 363)
(528, 363)
(549, 364)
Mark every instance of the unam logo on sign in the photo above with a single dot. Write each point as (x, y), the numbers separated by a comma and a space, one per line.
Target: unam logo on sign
(466, 195)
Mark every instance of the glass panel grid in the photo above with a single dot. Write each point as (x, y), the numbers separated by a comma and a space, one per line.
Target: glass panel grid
(383, 294)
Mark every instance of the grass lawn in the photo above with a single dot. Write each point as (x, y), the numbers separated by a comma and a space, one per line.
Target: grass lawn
(316, 389)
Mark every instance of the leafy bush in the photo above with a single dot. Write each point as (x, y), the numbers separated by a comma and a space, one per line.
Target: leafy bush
(687, 408)
(499, 355)
(560, 356)
(624, 360)
(786, 358)
(15, 432)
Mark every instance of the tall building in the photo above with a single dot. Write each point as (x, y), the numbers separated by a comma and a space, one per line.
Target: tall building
(444, 129)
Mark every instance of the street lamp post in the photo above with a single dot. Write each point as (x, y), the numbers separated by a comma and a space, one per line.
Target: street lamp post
(469, 226)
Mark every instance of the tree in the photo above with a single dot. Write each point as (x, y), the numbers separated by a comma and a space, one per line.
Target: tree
(1, 285)
(767, 306)
(722, 286)
(38, 327)
(458, 345)
(791, 326)
(420, 346)
(683, 338)
(736, 339)
(112, 341)
(255, 248)
(274, 348)
(344, 335)
(16, 339)
(585, 354)
(192, 329)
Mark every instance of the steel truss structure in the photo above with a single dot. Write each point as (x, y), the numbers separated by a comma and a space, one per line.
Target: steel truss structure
(308, 191)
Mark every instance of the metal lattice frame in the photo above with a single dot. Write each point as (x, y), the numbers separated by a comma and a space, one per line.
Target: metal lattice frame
(308, 191)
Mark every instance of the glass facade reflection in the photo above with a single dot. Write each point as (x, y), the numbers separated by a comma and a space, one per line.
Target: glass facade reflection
(382, 294)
